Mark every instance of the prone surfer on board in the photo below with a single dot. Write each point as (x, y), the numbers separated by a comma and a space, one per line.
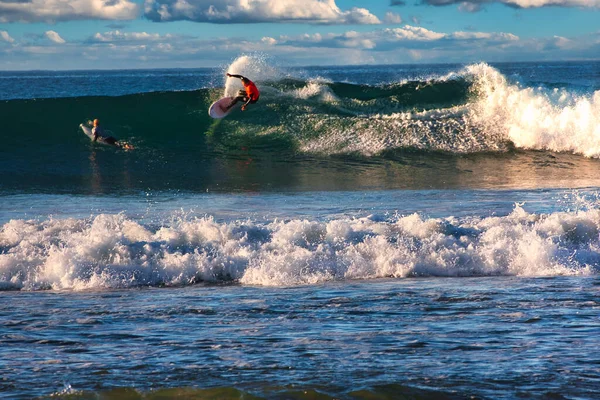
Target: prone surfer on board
(98, 133)
(249, 95)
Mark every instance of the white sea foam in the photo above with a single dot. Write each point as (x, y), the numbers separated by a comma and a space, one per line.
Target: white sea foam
(113, 251)
(315, 89)
(535, 118)
(439, 129)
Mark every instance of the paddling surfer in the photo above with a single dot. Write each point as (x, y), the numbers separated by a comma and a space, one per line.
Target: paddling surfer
(98, 134)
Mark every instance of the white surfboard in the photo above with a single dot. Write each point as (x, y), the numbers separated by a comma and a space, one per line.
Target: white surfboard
(218, 109)
(87, 131)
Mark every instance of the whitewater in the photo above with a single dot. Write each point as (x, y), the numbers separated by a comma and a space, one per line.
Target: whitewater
(426, 231)
(112, 251)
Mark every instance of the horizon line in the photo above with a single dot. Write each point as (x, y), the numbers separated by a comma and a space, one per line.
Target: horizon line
(303, 66)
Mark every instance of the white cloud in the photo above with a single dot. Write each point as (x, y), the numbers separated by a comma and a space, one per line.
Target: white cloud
(505, 37)
(250, 11)
(55, 37)
(392, 18)
(269, 40)
(350, 39)
(475, 5)
(408, 37)
(398, 45)
(4, 36)
(63, 10)
(410, 33)
(562, 42)
(118, 36)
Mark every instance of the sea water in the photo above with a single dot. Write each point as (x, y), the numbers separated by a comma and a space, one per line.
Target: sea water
(377, 231)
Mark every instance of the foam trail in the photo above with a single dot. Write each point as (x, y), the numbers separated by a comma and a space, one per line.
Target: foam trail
(113, 251)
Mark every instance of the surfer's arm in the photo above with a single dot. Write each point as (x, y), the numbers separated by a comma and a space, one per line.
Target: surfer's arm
(236, 76)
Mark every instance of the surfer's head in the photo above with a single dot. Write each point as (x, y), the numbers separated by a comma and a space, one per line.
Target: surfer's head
(96, 122)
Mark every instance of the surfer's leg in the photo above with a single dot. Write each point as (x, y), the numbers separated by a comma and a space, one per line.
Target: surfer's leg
(110, 140)
(233, 103)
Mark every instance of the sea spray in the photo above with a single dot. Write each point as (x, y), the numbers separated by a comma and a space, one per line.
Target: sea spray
(257, 68)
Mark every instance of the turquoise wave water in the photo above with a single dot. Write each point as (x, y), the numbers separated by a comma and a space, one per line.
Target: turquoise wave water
(155, 117)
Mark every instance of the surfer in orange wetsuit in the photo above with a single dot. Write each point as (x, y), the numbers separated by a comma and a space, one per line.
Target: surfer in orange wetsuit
(249, 95)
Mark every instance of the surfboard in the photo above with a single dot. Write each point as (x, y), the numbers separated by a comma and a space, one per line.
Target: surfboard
(218, 110)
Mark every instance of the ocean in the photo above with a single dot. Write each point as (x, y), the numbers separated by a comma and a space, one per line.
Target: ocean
(362, 232)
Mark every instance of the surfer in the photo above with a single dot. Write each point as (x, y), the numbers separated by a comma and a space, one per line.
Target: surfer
(249, 95)
(98, 134)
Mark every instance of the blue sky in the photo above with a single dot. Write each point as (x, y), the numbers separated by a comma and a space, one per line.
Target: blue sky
(117, 34)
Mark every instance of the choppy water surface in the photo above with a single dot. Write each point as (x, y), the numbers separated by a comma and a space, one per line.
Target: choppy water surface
(482, 337)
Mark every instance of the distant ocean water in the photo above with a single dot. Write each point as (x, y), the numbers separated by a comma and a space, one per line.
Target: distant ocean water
(361, 232)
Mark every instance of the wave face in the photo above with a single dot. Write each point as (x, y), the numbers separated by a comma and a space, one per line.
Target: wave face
(300, 118)
(475, 109)
(113, 251)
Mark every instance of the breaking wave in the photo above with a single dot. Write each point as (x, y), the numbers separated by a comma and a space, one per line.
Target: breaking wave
(114, 251)
(475, 109)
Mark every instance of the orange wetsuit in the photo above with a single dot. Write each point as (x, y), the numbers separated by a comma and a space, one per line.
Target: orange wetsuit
(251, 90)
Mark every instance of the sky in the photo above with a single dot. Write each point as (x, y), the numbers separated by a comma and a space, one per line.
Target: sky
(123, 34)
